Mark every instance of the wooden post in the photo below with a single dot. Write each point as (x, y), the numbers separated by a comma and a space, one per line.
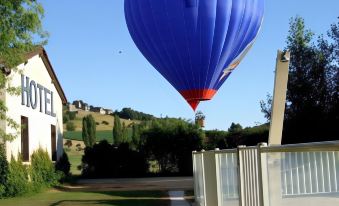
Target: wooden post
(279, 98)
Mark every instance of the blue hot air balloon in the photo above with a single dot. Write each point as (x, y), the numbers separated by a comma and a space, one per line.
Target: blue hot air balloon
(194, 44)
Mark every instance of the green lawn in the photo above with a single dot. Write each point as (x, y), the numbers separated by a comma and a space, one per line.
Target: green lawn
(62, 198)
(101, 135)
(74, 158)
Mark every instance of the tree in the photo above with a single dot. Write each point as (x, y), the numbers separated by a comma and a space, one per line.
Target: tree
(234, 128)
(20, 32)
(89, 131)
(312, 91)
(117, 131)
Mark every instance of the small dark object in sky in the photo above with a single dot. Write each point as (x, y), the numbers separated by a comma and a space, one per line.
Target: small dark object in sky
(120, 52)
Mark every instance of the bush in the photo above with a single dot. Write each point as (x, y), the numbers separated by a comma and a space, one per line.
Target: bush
(65, 118)
(42, 170)
(70, 126)
(63, 164)
(3, 170)
(104, 160)
(68, 143)
(105, 122)
(17, 181)
(71, 115)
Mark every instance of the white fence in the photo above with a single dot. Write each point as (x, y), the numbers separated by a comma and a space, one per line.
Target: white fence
(268, 176)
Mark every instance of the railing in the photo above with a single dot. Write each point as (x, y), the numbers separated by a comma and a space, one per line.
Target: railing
(268, 176)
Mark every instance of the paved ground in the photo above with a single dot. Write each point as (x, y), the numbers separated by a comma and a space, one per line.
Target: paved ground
(158, 183)
(177, 198)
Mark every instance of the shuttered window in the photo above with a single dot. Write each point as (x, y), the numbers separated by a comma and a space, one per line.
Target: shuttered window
(24, 139)
(53, 143)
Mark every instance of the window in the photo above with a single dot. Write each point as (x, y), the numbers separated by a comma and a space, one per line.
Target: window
(53, 143)
(24, 139)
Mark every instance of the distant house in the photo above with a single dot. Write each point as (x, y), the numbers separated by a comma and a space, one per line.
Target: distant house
(85, 107)
(78, 104)
(98, 110)
(108, 111)
(71, 108)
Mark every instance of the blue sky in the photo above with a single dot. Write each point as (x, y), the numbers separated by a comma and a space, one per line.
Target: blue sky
(86, 37)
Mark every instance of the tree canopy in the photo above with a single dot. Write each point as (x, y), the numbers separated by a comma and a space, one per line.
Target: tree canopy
(20, 32)
(312, 93)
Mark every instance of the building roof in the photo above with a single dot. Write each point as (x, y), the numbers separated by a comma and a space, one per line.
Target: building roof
(43, 55)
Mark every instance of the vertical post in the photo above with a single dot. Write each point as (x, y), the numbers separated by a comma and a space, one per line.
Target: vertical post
(279, 98)
(210, 179)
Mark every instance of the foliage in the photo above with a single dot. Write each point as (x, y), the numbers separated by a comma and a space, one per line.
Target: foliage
(63, 164)
(128, 113)
(216, 139)
(42, 170)
(312, 95)
(105, 160)
(3, 170)
(117, 131)
(72, 115)
(170, 142)
(70, 126)
(68, 143)
(20, 25)
(105, 122)
(89, 130)
(17, 180)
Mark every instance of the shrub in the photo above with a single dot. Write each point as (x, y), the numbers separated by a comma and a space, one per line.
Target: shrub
(105, 122)
(65, 118)
(104, 160)
(17, 180)
(70, 126)
(3, 170)
(68, 143)
(63, 164)
(72, 115)
(42, 170)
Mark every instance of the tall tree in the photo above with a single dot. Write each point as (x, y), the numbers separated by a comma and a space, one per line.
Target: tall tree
(312, 93)
(89, 131)
(117, 131)
(20, 32)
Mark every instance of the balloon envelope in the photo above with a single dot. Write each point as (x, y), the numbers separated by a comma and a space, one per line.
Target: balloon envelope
(194, 44)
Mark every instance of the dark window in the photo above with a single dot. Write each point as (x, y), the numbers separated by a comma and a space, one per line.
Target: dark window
(53, 143)
(24, 139)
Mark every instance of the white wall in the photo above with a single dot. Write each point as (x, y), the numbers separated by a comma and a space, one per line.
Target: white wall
(39, 123)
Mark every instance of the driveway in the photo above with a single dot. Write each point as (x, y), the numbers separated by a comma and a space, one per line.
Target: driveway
(125, 184)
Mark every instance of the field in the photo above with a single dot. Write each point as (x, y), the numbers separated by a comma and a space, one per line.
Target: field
(101, 135)
(74, 156)
(102, 198)
(99, 118)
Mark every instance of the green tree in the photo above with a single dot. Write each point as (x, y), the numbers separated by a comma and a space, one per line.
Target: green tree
(70, 126)
(312, 91)
(89, 131)
(117, 131)
(234, 128)
(20, 32)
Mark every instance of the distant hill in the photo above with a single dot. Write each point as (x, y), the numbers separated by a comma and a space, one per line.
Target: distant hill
(104, 125)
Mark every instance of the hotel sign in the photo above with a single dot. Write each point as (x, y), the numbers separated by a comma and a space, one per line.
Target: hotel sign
(35, 95)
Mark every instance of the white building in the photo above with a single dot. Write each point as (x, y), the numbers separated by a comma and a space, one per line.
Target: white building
(39, 108)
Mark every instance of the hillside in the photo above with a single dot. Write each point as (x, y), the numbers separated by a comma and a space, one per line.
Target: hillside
(99, 118)
(104, 126)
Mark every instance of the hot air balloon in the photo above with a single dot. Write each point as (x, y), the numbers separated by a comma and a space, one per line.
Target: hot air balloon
(194, 44)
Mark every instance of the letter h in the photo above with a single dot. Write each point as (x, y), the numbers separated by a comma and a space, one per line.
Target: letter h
(25, 89)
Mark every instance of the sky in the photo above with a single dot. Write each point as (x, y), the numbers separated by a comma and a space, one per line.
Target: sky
(86, 38)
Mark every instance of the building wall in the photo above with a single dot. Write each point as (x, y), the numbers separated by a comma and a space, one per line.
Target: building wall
(39, 123)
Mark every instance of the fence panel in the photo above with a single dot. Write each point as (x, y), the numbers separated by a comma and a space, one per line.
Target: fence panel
(228, 186)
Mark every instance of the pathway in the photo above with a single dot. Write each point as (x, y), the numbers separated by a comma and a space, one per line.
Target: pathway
(177, 198)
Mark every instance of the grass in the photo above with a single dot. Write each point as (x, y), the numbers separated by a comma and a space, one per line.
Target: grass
(98, 118)
(104, 198)
(101, 135)
(74, 156)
